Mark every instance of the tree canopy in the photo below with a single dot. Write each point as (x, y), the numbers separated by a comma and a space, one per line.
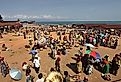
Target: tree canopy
(1, 18)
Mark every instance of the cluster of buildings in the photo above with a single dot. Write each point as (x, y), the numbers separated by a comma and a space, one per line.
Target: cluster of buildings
(7, 26)
(10, 25)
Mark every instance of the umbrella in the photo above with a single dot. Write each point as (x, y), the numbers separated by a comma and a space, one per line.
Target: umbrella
(33, 52)
(88, 52)
(42, 40)
(15, 74)
(90, 45)
(95, 55)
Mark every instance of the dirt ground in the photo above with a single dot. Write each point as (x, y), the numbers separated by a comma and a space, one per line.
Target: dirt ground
(17, 54)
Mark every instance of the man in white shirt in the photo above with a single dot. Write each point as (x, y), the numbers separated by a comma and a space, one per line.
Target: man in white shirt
(36, 63)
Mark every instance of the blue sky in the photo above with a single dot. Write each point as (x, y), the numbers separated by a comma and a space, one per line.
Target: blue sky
(61, 9)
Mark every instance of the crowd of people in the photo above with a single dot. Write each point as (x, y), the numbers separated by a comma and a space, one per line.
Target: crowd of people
(85, 62)
(59, 46)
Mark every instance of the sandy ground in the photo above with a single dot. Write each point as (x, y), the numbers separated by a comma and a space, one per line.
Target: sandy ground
(17, 54)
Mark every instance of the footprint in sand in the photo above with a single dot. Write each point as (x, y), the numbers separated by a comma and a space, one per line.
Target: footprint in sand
(15, 63)
(20, 48)
(11, 55)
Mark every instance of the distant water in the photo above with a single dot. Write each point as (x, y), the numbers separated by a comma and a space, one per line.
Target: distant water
(79, 22)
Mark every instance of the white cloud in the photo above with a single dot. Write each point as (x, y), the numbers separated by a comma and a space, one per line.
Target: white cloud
(47, 16)
(33, 17)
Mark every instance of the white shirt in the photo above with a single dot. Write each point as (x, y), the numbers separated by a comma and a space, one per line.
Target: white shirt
(36, 62)
(25, 66)
(40, 80)
(37, 56)
(54, 51)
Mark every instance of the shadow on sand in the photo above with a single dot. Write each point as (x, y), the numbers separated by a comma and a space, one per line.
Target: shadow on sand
(76, 57)
(50, 55)
(73, 67)
(119, 80)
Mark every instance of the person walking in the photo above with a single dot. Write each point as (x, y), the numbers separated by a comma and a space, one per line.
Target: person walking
(64, 50)
(106, 67)
(54, 52)
(57, 64)
(36, 63)
(24, 35)
(29, 77)
(30, 41)
(34, 53)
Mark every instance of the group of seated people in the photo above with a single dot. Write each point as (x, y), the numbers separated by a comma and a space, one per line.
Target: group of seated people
(54, 76)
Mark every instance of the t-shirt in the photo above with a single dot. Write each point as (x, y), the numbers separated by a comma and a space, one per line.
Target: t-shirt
(91, 39)
(40, 80)
(54, 51)
(36, 62)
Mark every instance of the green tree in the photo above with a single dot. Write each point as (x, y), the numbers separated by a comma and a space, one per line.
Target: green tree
(1, 18)
(18, 20)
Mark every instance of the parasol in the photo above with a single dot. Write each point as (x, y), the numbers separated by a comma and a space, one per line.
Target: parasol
(15, 74)
(42, 40)
(95, 55)
(90, 45)
(88, 52)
